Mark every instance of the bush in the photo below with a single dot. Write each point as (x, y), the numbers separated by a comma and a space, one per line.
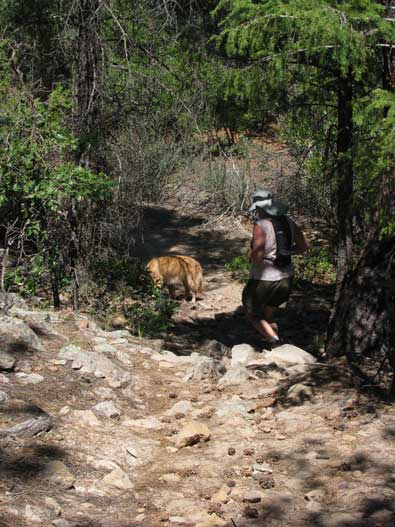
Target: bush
(124, 286)
(239, 267)
(317, 266)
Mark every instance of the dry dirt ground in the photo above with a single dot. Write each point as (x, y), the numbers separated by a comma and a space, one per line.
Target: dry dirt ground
(277, 449)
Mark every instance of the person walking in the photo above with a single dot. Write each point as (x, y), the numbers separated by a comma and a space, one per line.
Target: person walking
(275, 238)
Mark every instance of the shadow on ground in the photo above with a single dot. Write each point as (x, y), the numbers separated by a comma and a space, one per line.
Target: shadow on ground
(166, 232)
(302, 323)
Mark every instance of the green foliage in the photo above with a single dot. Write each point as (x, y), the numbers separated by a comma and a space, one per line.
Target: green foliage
(317, 267)
(28, 279)
(122, 285)
(152, 315)
(239, 267)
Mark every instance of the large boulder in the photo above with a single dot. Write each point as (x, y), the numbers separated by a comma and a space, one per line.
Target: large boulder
(242, 354)
(17, 338)
(288, 355)
(97, 364)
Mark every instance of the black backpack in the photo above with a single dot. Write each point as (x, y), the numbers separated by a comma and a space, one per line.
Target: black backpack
(284, 241)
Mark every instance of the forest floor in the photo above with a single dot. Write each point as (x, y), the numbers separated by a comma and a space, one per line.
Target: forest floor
(146, 437)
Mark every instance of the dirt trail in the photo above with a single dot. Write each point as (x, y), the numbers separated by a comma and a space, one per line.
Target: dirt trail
(287, 446)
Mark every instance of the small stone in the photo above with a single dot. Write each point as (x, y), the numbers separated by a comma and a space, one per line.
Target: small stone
(86, 417)
(54, 505)
(118, 479)
(181, 407)
(191, 434)
(231, 483)
(107, 409)
(250, 512)
(231, 451)
(252, 497)
(173, 395)
(267, 482)
(64, 410)
(61, 523)
(105, 348)
(249, 451)
(3, 396)
(29, 378)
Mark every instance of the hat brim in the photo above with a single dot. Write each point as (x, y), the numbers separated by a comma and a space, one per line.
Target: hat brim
(260, 204)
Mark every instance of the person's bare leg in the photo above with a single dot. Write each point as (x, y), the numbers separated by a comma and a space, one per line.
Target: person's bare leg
(263, 327)
(268, 314)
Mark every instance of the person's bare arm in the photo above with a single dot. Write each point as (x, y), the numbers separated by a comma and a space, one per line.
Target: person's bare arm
(258, 244)
(302, 245)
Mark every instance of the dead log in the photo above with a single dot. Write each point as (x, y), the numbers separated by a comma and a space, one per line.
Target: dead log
(39, 422)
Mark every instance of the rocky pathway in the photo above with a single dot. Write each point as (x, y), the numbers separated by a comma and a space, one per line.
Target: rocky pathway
(210, 436)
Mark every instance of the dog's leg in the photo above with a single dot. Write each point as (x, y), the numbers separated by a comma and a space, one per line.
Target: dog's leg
(172, 291)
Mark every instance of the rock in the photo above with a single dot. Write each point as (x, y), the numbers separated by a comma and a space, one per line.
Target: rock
(234, 406)
(299, 393)
(117, 334)
(29, 378)
(211, 521)
(183, 407)
(192, 433)
(85, 417)
(16, 337)
(57, 472)
(23, 365)
(104, 393)
(242, 354)
(106, 464)
(38, 321)
(250, 512)
(252, 497)
(9, 300)
(4, 379)
(288, 355)
(53, 505)
(32, 514)
(61, 523)
(7, 361)
(215, 349)
(3, 396)
(231, 451)
(202, 368)
(107, 409)
(118, 479)
(235, 375)
(105, 348)
(97, 364)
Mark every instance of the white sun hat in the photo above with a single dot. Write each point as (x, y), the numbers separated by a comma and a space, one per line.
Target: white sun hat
(261, 198)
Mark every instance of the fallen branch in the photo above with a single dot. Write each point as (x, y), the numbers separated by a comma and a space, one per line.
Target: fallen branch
(40, 422)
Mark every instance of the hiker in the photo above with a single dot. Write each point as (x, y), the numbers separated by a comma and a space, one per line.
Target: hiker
(275, 238)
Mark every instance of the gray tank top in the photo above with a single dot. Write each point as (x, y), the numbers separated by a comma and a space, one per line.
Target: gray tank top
(266, 270)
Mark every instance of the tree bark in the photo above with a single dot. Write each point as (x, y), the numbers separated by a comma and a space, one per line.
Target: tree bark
(345, 178)
(364, 315)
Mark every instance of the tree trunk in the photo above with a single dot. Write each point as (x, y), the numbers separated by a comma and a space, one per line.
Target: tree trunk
(364, 315)
(87, 77)
(345, 178)
(345, 183)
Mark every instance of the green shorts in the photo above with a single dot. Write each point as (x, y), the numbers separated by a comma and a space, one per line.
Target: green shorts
(258, 294)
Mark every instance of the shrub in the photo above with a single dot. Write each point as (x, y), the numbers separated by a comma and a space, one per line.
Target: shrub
(122, 285)
(239, 267)
(317, 266)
